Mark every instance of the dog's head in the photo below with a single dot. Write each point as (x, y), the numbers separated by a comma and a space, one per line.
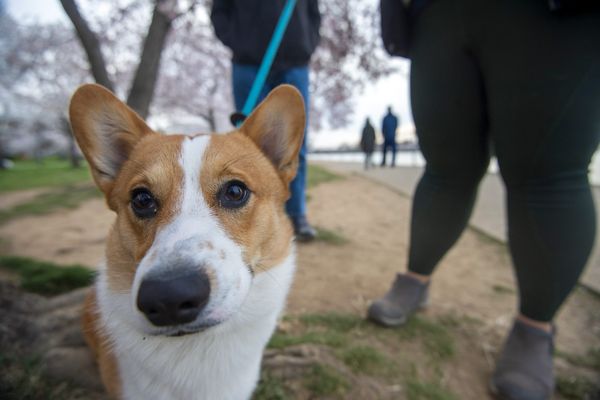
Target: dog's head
(197, 216)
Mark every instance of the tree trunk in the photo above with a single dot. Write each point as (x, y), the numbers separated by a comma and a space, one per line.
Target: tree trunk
(90, 44)
(211, 118)
(144, 83)
(74, 156)
(212, 122)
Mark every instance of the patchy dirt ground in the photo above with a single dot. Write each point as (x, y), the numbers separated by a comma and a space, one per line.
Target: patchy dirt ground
(473, 286)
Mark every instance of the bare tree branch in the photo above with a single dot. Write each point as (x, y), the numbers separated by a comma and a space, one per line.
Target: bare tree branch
(189, 10)
(144, 83)
(90, 43)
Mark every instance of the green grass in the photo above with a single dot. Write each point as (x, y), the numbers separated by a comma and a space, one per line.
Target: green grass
(270, 388)
(367, 360)
(332, 329)
(577, 388)
(47, 278)
(317, 175)
(331, 339)
(63, 198)
(416, 390)
(21, 379)
(331, 237)
(336, 322)
(322, 380)
(435, 337)
(52, 172)
(589, 360)
(350, 339)
(328, 329)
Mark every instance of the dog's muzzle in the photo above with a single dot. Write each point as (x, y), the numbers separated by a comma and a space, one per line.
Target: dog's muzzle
(169, 300)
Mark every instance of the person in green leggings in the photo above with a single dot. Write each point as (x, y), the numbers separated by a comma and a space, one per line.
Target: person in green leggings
(512, 76)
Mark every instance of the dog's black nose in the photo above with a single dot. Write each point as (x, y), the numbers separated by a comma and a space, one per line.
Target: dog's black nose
(174, 300)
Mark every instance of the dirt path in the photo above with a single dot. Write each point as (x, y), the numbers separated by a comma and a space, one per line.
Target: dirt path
(66, 236)
(475, 279)
(474, 282)
(10, 199)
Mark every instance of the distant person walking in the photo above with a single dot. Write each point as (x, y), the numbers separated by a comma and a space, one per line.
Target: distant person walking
(388, 128)
(367, 143)
(532, 92)
(246, 27)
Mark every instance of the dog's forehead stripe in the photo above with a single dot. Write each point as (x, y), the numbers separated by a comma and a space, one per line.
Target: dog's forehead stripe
(192, 216)
(192, 154)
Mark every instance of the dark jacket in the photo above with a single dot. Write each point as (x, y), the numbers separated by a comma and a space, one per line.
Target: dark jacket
(246, 26)
(389, 126)
(367, 141)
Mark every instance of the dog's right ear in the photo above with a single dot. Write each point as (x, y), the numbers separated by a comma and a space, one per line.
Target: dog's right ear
(277, 128)
(106, 130)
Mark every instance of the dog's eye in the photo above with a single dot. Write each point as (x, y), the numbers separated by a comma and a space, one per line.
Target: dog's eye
(143, 203)
(234, 194)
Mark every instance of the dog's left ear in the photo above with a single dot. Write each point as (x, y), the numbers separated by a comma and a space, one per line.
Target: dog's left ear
(277, 127)
(106, 130)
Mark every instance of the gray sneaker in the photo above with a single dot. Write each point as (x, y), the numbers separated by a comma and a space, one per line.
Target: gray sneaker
(524, 370)
(405, 297)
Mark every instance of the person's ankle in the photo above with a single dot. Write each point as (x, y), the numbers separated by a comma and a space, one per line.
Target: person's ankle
(421, 278)
(541, 325)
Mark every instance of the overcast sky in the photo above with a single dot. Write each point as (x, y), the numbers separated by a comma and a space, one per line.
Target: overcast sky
(38, 10)
(373, 103)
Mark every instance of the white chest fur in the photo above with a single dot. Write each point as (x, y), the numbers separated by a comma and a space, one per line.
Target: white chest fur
(222, 362)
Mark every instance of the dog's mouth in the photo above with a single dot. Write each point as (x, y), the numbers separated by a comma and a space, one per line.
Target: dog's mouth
(192, 330)
(182, 330)
(185, 333)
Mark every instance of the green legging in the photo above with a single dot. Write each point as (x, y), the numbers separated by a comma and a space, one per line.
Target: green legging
(510, 76)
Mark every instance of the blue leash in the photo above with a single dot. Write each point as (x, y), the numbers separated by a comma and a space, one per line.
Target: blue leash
(267, 61)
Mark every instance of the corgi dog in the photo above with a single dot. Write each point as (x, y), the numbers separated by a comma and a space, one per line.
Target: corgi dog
(201, 255)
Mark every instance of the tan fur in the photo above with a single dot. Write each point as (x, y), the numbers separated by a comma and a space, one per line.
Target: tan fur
(94, 109)
(279, 130)
(98, 343)
(124, 154)
(153, 164)
(262, 227)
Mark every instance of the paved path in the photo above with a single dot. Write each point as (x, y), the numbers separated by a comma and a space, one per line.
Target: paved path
(489, 215)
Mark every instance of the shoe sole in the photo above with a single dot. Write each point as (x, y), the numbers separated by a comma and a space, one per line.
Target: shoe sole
(495, 392)
(395, 322)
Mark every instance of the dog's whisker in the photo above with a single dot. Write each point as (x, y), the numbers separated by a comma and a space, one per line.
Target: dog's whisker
(268, 273)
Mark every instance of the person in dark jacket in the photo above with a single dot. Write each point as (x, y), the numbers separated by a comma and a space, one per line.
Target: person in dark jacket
(388, 128)
(367, 143)
(246, 26)
(533, 93)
